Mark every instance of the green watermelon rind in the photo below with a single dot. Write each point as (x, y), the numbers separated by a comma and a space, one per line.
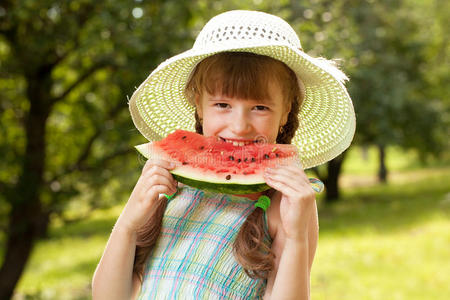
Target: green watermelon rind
(223, 188)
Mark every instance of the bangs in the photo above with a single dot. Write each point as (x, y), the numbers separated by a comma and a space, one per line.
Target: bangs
(240, 75)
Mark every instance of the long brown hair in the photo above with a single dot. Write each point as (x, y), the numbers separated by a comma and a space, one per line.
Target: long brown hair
(244, 75)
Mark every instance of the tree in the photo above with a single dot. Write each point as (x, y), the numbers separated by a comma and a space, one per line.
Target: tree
(388, 80)
(384, 49)
(66, 68)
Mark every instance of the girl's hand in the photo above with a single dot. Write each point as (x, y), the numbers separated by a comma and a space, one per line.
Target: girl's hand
(297, 204)
(154, 180)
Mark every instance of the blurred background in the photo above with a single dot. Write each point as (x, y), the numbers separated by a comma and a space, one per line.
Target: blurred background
(67, 163)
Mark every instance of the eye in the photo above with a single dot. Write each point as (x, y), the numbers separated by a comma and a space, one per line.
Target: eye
(261, 107)
(222, 105)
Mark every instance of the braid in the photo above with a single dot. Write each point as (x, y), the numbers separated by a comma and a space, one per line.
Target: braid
(291, 126)
(198, 124)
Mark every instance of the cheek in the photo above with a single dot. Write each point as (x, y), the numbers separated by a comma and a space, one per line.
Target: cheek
(269, 129)
(211, 123)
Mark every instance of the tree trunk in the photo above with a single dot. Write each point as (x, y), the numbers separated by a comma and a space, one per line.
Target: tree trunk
(26, 224)
(382, 170)
(332, 180)
(27, 219)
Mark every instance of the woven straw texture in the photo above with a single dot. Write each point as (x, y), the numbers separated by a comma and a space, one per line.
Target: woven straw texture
(327, 119)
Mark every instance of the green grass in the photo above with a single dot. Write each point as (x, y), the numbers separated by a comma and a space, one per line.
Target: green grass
(386, 243)
(61, 267)
(380, 242)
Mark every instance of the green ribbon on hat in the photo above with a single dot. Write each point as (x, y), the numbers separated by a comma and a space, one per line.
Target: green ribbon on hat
(263, 202)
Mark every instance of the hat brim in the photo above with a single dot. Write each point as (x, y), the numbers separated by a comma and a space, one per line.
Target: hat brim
(327, 119)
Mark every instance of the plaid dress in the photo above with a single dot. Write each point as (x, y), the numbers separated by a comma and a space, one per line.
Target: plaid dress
(193, 257)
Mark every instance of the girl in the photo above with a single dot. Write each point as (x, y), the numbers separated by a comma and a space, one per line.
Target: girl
(246, 78)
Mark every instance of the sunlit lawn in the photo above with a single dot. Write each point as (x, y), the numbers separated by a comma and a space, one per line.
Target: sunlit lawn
(379, 242)
(386, 243)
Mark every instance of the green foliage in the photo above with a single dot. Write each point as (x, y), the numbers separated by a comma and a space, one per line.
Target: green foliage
(97, 53)
(389, 75)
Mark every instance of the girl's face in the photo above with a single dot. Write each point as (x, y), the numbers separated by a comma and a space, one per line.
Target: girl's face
(243, 120)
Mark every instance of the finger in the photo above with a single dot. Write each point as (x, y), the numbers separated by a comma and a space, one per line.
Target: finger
(154, 192)
(158, 179)
(291, 185)
(288, 171)
(295, 180)
(157, 170)
(282, 187)
(299, 185)
(158, 162)
(292, 172)
(305, 192)
(295, 163)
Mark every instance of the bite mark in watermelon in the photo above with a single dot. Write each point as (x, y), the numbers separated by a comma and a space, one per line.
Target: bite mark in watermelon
(215, 165)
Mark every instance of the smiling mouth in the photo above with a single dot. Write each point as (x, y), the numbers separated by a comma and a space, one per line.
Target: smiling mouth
(237, 143)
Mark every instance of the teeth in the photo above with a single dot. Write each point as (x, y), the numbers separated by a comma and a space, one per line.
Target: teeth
(236, 143)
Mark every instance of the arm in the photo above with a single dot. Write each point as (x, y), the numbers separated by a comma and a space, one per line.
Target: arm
(285, 282)
(294, 218)
(113, 278)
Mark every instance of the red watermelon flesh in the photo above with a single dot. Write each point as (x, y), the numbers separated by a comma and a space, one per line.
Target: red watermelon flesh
(212, 164)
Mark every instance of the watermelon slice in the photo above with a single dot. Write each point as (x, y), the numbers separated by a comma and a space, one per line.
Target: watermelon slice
(216, 165)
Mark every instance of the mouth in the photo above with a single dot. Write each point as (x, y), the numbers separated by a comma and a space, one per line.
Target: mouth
(237, 142)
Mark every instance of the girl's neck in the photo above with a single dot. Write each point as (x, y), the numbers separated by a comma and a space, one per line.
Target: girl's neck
(253, 196)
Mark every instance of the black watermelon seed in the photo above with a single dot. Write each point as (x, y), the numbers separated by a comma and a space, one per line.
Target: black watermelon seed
(266, 156)
(183, 137)
(202, 147)
(246, 159)
(228, 177)
(185, 163)
(276, 154)
(253, 159)
(231, 157)
(239, 160)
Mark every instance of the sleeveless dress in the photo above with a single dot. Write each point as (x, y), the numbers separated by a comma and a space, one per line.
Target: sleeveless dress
(193, 256)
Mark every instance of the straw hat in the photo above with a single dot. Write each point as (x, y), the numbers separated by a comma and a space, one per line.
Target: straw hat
(327, 119)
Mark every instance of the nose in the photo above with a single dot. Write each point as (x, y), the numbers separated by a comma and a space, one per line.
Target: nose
(240, 124)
